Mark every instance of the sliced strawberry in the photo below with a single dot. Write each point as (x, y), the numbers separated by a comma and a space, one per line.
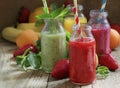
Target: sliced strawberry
(109, 61)
(61, 69)
(22, 50)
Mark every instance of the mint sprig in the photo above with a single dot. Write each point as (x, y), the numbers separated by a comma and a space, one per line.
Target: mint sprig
(29, 59)
(102, 71)
(58, 13)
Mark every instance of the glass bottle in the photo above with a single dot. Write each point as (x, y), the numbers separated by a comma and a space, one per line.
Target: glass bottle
(69, 21)
(100, 30)
(82, 18)
(82, 57)
(53, 44)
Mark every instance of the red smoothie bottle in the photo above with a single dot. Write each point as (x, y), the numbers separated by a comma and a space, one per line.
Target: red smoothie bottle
(100, 30)
(82, 59)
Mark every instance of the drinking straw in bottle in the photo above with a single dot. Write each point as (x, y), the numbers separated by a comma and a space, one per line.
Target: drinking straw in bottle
(76, 17)
(45, 6)
(103, 5)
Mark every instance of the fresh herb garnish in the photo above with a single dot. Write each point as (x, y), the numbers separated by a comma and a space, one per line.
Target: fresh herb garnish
(38, 44)
(34, 60)
(29, 59)
(58, 13)
(53, 6)
(102, 72)
(68, 36)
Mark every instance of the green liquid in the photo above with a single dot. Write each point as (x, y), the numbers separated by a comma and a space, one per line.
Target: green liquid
(53, 47)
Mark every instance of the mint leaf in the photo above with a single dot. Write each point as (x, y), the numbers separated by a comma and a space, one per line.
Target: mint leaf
(56, 12)
(38, 22)
(34, 60)
(68, 36)
(103, 71)
(63, 13)
(43, 16)
(19, 59)
(53, 6)
(38, 44)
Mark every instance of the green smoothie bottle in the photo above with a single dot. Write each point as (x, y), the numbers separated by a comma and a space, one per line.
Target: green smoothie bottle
(53, 44)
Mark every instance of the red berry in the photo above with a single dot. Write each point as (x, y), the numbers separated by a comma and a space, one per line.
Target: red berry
(24, 15)
(23, 49)
(116, 27)
(109, 61)
(68, 2)
(61, 69)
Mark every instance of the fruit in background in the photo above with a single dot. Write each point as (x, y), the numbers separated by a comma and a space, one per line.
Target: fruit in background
(23, 15)
(33, 14)
(25, 26)
(114, 39)
(26, 37)
(97, 61)
(70, 21)
(10, 33)
(61, 69)
(68, 2)
(119, 41)
(109, 61)
(21, 50)
(116, 27)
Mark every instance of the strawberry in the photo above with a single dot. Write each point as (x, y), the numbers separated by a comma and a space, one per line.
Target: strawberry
(61, 69)
(68, 2)
(22, 50)
(23, 15)
(116, 27)
(109, 61)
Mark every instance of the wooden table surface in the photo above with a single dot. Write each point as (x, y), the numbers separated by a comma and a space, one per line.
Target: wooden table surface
(12, 76)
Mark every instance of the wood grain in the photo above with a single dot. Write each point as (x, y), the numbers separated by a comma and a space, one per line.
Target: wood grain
(12, 76)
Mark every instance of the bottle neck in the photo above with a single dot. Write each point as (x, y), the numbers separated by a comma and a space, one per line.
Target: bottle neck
(53, 26)
(96, 17)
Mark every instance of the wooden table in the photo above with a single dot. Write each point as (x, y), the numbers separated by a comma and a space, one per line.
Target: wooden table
(12, 76)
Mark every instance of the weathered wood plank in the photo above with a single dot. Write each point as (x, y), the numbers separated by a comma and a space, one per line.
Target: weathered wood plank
(87, 86)
(64, 83)
(113, 80)
(12, 76)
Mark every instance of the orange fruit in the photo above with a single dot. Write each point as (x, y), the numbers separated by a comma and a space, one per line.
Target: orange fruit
(114, 39)
(26, 37)
(96, 60)
(119, 40)
(37, 11)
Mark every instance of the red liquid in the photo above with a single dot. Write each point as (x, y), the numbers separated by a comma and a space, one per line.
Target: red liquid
(82, 61)
(102, 38)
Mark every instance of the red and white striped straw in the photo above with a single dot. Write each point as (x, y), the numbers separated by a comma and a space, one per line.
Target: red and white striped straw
(76, 19)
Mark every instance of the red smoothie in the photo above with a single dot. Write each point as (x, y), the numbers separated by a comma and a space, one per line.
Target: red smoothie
(102, 38)
(82, 61)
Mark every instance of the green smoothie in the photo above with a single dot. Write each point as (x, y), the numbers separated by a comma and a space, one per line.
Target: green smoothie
(53, 48)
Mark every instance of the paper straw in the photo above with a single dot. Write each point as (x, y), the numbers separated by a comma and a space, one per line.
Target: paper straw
(45, 6)
(103, 5)
(76, 19)
(75, 3)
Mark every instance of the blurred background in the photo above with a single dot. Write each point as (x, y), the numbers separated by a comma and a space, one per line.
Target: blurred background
(9, 9)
